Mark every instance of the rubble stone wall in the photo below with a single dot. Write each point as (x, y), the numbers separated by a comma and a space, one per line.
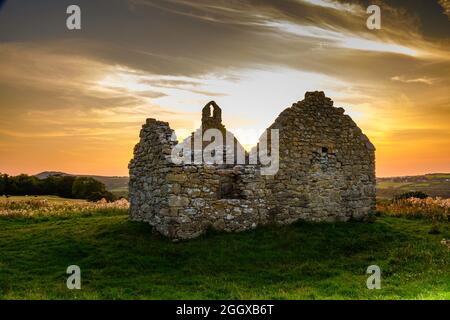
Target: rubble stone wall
(326, 172)
(327, 165)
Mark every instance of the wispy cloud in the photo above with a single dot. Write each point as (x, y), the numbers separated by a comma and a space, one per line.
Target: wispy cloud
(423, 80)
(346, 7)
(337, 39)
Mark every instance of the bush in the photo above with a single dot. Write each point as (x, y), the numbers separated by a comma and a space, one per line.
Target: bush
(96, 196)
(411, 194)
(86, 187)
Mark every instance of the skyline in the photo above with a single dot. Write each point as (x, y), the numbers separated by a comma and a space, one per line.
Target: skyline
(74, 100)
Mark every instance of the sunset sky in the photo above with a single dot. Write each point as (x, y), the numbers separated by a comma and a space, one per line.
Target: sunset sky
(74, 100)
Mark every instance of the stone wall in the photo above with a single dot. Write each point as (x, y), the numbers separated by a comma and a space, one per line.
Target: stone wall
(327, 172)
(327, 165)
(148, 187)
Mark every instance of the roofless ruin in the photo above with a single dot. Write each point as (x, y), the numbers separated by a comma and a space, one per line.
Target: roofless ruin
(326, 172)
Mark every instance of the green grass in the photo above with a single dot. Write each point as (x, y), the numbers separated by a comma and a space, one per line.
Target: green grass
(120, 191)
(435, 185)
(387, 189)
(120, 259)
(438, 176)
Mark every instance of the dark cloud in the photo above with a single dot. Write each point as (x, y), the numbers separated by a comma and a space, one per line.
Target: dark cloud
(191, 37)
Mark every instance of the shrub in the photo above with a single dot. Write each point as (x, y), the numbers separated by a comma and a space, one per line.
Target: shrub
(88, 188)
(435, 209)
(411, 194)
(99, 195)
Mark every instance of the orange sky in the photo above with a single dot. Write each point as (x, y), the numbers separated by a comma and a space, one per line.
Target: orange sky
(74, 101)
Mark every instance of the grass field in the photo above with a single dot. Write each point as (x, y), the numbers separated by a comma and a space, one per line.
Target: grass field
(435, 185)
(54, 199)
(120, 259)
(120, 191)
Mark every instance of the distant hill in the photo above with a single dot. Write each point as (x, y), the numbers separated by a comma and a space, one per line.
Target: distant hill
(46, 174)
(433, 184)
(115, 184)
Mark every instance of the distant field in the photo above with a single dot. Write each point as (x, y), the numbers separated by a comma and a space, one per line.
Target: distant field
(33, 207)
(438, 176)
(48, 198)
(435, 185)
(120, 191)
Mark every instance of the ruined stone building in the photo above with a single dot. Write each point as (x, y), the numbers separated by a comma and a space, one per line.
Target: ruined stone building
(326, 173)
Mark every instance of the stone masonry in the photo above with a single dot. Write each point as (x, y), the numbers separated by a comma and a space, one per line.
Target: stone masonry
(326, 173)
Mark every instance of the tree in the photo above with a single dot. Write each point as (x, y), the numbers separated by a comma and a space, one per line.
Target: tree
(60, 185)
(50, 184)
(3, 178)
(88, 188)
(25, 185)
(9, 185)
(64, 186)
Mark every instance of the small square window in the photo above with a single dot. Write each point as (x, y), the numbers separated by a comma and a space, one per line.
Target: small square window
(228, 188)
